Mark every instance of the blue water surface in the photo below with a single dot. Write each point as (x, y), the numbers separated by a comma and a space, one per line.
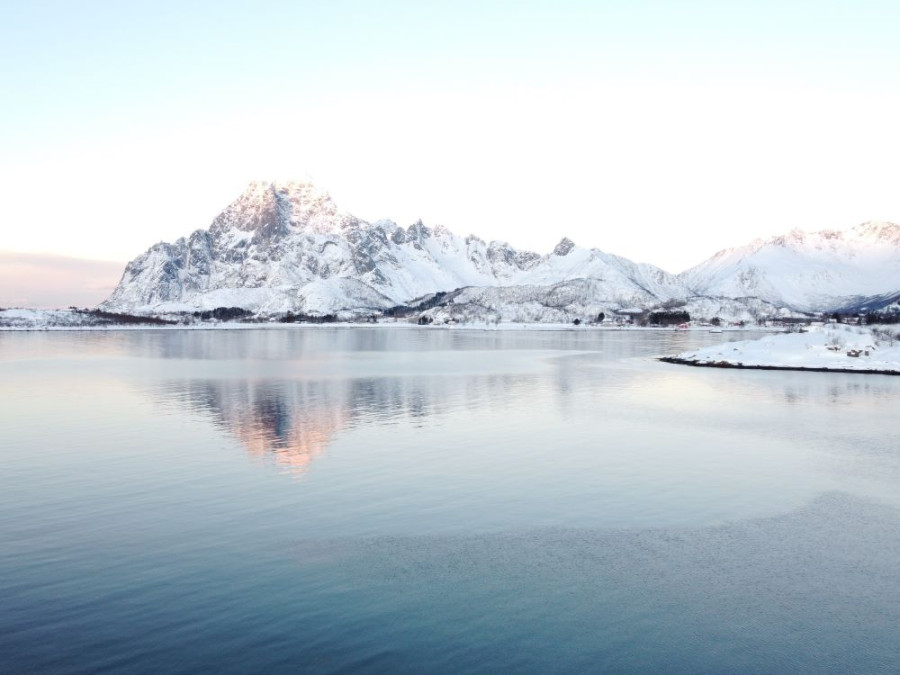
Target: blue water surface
(380, 499)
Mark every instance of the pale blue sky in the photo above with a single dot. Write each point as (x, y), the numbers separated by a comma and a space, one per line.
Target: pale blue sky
(117, 67)
(661, 131)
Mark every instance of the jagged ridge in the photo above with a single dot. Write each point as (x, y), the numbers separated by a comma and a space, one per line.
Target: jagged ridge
(286, 247)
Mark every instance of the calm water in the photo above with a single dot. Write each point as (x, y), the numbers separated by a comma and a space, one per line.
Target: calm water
(377, 500)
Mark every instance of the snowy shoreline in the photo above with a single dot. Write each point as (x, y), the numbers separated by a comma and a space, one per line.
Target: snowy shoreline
(834, 348)
(69, 320)
(398, 325)
(809, 369)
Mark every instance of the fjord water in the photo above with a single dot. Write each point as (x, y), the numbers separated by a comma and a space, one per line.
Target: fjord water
(421, 500)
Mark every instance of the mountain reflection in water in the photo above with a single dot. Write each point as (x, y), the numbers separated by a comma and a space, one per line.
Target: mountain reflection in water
(292, 421)
(287, 395)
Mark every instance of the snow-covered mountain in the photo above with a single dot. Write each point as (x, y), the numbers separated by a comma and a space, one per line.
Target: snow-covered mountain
(286, 247)
(809, 271)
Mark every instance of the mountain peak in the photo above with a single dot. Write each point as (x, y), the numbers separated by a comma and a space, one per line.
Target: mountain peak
(563, 247)
(878, 230)
(276, 207)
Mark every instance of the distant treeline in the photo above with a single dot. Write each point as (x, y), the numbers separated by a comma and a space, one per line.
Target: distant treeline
(882, 317)
(668, 318)
(400, 311)
(223, 314)
(132, 319)
(300, 317)
(658, 317)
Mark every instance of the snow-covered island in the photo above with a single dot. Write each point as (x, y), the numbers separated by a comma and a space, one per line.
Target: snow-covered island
(834, 347)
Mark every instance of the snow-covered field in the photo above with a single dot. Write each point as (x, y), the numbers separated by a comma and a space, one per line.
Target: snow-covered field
(40, 319)
(832, 347)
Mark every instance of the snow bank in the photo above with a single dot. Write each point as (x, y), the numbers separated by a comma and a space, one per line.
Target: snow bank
(838, 348)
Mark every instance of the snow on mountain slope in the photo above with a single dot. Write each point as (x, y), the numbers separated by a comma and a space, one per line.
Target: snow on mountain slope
(286, 246)
(621, 276)
(582, 299)
(818, 271)
(555, 303)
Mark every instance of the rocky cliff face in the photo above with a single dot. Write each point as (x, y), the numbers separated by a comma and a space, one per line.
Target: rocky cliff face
(286, 246)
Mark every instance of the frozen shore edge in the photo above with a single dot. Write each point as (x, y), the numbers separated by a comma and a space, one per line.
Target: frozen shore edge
(810, 369)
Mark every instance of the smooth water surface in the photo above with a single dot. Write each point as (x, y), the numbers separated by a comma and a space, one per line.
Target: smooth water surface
(423, 500)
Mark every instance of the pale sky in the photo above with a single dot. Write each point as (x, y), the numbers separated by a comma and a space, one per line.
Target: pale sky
(660, 131)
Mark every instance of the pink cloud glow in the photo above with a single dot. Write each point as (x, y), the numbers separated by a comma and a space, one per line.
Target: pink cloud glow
(49, 281)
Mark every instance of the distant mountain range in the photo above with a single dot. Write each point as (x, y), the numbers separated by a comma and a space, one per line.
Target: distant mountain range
(828, 270)
(284, 247)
